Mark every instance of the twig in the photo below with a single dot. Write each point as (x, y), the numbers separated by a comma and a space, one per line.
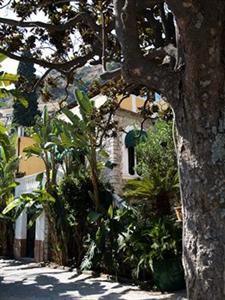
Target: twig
(3, 6)
(41, 79)
(109, 120)
(103, 44)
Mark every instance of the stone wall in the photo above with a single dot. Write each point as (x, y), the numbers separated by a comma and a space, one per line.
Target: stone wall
(127, 120)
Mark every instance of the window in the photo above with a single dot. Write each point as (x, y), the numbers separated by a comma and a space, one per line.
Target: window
(131, 160)
(131, 140)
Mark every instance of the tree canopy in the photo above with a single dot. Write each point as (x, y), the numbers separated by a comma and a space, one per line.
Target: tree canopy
(73, 33)
(24, 113)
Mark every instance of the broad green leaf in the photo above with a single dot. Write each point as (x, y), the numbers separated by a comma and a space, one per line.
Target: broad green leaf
(71, 116)
(110, 212)
(7, 79)
(3, 129)
(39, 177)
(33, 150)
(2, 57)
(12, 205)
(3, 93)
(84, 102)
(49, 145)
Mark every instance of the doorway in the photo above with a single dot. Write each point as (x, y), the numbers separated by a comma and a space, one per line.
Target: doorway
(30, 235)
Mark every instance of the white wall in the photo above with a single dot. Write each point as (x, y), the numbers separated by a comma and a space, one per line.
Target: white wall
(21, 226)
(40, 228)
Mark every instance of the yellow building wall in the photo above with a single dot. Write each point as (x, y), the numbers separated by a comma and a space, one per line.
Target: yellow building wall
(126, 103)
(139, 103)
(30, 165)
(132, 103)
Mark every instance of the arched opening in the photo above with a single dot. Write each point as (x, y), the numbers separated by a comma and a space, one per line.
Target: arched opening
(132, 138)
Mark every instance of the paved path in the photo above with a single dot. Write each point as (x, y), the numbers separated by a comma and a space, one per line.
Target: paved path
(29, 281)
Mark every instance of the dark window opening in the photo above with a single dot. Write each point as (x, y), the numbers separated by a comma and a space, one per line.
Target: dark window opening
(30, 236)
(131, 160)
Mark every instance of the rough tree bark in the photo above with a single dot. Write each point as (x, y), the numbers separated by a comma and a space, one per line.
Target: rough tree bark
(197, 95)
(200, 113)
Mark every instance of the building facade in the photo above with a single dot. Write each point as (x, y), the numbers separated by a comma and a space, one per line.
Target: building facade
(33, 242)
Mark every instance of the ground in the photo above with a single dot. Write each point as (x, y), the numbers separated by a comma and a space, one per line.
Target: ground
(30, 281)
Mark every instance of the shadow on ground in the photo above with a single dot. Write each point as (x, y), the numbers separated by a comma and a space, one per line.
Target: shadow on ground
(25, 281)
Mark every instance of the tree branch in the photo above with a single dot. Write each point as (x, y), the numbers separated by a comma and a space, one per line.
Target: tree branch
(41, 79)
(109, 75)
(63, 67)
(50, 27)
(109, 120)
(147, 71)
(148, 4)
(5, 5)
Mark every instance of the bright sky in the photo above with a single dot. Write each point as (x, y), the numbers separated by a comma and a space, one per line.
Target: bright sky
(9, 65)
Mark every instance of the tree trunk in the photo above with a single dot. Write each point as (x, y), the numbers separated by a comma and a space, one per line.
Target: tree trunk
(203, 178)
(94, 176)
(196, 92)
(201, 149)
(200, 116)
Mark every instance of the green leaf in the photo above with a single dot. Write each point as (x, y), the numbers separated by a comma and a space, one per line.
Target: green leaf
(74, 119)
(23, 102)
(93, 217)
(39, 177)
(7, 79)
(86, 106)
(2, 104)
(2, 57)
(103, 153)
(33, 150)
(12, 205)
(3, 129)
(34, 217)
(110, 212)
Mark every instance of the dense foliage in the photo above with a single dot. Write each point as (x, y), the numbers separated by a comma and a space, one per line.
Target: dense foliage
(24, 113)
(8, 168)
(86, 229)
(158, 187)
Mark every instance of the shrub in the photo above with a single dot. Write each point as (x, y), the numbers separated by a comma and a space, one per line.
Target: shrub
(158, 187)
(76, 194)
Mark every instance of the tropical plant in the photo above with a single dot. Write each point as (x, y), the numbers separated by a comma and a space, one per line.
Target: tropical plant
(158, 187)
(124, 243)
(156, 154)
(85, 134)
(6, 80)
(47, 147)
(151, 244)
(8, 166)
(76, 194)
(45, 137)
(102, 253)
